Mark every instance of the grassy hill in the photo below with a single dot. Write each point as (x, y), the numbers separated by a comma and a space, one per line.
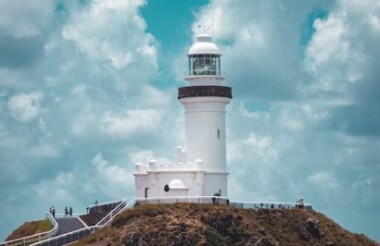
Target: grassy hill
(194, 224)
(30, 228)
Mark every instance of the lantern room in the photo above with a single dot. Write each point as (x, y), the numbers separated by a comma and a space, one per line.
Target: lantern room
(204, 60)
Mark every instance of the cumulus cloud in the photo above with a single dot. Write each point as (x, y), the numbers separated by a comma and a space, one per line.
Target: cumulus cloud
(63, 66)
(26, 107)
(261, 44)
(303, 121)
(130, 40)
(111, 179)
(33, 16)
(132, 122)
(304, 104)
(324, 179)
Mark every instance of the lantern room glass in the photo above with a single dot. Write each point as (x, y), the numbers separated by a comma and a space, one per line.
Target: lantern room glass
(204, 64)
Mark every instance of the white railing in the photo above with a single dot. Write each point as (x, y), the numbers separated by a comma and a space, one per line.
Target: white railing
(79, 234)
(105, 203)
(112, 214)
(67, 237)
(186, 199)
(141, 168)
(270, 205)
(36, 237)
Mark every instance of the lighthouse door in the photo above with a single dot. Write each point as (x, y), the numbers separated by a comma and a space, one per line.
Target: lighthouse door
(146, 192)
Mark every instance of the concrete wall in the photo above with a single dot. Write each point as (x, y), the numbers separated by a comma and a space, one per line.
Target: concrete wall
(197, 183)
(155, 181)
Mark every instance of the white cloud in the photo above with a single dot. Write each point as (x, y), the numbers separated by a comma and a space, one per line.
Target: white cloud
(331, 56)
(44, 150)
(324, 179)
(132, 122)
(56, 190)
(121, 43)
(111, 179)
(32, 17)
(25, 107)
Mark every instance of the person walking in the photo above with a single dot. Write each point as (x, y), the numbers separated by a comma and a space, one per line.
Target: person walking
(71, 212)
(66, 212)
(53, 212)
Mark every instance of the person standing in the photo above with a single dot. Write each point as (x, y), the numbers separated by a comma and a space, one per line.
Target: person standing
(66, 212)
(71, 212)
(53, 212)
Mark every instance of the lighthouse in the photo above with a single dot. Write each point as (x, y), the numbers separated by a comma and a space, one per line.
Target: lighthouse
(200, 168)
(205, 101)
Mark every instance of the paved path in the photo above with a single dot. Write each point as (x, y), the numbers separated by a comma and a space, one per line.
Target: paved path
(68, 225)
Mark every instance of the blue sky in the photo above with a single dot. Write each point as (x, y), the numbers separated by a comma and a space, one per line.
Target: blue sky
(88, 88)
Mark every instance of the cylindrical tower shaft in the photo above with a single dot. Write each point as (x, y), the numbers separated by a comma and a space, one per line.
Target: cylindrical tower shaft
(205, 109)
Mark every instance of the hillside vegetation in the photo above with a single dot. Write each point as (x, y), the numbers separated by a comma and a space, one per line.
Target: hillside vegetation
(30, 228)
(194, 224)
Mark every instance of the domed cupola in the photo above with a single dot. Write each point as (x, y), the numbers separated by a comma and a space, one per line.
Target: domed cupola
(204, 62)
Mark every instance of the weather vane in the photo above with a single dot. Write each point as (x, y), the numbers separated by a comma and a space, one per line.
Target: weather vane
(205, 29)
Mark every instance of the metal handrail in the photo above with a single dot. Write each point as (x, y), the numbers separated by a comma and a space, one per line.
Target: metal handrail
(258, 205)
(192, 199)
(105, 203)
(110, 214)
(36, 237)
(90, 228)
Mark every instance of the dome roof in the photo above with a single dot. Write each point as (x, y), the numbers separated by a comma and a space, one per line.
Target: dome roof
(204, 45)
(176, 184)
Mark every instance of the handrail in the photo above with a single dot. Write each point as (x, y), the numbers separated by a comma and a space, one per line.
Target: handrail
(35, 237)
(258, 205)
(90, 228)
(181, 197)
(110, 214)
(105, 203)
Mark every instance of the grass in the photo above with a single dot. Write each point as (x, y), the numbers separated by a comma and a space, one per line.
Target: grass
(30, 228)
(193, 224)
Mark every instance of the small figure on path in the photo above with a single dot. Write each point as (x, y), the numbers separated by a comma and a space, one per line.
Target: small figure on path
(71, 212)
(66, 212)
(53, 212)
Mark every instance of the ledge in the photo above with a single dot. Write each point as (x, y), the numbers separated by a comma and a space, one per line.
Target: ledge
(204, 91)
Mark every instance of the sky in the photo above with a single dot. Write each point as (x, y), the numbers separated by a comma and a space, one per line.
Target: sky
(89, 87)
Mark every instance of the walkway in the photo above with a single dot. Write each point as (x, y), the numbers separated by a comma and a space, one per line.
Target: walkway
(66, 225)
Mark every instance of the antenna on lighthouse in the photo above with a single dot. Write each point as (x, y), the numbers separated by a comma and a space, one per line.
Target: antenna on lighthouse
(211, 26)
(203, 29)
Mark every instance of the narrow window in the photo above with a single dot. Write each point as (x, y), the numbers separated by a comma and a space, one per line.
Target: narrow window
(218, 133)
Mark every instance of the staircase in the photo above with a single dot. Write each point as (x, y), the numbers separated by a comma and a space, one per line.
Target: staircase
(71, 229)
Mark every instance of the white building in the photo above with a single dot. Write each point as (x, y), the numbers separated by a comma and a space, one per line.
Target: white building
(200, 169)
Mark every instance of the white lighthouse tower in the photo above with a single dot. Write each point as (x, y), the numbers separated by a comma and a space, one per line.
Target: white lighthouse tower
(200, 169)
(205, 102)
